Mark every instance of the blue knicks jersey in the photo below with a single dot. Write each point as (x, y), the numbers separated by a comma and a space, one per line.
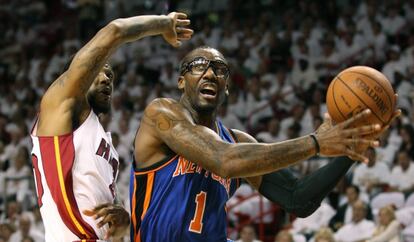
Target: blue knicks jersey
(177, 200)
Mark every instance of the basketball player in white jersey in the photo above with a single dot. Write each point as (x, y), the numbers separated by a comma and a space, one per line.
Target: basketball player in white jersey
(75, 164)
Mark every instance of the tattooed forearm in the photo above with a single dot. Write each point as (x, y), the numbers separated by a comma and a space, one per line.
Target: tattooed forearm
(256, 159)
(138, 27)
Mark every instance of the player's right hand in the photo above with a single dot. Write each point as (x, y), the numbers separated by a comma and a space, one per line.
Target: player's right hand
(340, 139)
(178, 30)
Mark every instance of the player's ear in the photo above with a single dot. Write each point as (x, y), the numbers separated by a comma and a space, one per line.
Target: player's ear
(181, 82)
(227, 90)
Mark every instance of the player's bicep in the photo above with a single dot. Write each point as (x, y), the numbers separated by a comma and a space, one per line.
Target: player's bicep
(175, 128)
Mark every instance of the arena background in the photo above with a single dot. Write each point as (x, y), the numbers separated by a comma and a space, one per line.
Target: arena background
(282, 54)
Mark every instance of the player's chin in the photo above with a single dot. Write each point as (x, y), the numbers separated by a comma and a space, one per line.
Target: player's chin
(207, 106)
(101, 107)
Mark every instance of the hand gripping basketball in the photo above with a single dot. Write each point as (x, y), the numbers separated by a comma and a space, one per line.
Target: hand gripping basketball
(340, 139)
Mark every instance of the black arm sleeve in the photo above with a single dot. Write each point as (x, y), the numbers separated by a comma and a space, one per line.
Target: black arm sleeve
(303, 196)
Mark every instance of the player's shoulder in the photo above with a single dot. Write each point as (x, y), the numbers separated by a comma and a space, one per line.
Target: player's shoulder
(165, 106)
(243, 137)
(162, 104)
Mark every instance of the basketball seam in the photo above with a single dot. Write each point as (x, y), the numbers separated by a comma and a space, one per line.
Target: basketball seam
(384, 89)
(339, 78)
(333, 97)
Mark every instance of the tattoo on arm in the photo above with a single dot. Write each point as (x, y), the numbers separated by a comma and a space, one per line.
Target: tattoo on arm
(92, 66)
(60, 81)
(241, 160)
(286, 153)
(138, 27)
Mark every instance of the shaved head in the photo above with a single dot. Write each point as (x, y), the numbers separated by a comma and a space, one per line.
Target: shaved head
(201, 51)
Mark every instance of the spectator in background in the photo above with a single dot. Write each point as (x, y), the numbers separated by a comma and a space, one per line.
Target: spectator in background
(18, 175)
(359, 228)
(407, 136)
(6, 230)
(282, 91)
(12, 214)
(26, 230)
(328, 63)
(229, 118)
(377, 42)
(37, 223)
(28, 239)
(394, 64)
(371, 177)
(248, 234)
(385, 153)
(344, 213)
(89, 16)
(310, 225)
(324, 234)
(388, 228)
(229, 42)
(257, 104)
(393, 21)
(284, 236)
(304, 76)
(272, 133)
(402, 175)
(4, 134)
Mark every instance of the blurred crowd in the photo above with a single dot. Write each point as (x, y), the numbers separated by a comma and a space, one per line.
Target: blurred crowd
(282, 56)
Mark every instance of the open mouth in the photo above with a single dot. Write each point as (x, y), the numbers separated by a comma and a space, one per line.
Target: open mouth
(106, 91)
(209, 90)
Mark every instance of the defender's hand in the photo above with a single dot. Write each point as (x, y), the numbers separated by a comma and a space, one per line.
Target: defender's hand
(178, 30)
(114, 215)
(337, 140)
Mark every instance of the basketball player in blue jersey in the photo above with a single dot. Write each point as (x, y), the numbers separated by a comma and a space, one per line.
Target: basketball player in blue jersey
(187, 164)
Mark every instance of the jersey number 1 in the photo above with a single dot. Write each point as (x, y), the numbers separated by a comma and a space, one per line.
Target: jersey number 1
(196, 224)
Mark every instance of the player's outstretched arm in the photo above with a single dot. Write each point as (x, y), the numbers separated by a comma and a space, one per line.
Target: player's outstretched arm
(303, 196)
(88, 62)
(170, 122)
(298, 196)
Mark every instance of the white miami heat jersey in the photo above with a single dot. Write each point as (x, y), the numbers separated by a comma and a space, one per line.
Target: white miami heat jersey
(74, 172)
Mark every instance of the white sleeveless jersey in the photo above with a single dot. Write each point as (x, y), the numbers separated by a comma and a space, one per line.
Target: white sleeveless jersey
(74, 172)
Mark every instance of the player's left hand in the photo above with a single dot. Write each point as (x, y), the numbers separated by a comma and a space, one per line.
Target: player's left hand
(178, 31)
(114, 215)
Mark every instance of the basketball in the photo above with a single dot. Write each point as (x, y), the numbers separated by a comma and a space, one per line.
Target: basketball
(358, 88)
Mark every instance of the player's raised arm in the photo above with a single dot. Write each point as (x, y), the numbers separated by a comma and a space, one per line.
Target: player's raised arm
(89, 61)
(171, 123)
(65, 104)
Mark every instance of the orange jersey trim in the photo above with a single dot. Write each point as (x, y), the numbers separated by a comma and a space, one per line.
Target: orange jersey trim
(133, 216)
(150, 184)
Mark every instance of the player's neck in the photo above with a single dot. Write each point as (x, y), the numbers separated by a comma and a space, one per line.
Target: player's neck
(206, 118)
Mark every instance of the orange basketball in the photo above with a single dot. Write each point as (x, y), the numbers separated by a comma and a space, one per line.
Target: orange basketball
(358, 88)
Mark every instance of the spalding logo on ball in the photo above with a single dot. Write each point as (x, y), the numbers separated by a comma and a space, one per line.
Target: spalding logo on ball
(358, 88)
